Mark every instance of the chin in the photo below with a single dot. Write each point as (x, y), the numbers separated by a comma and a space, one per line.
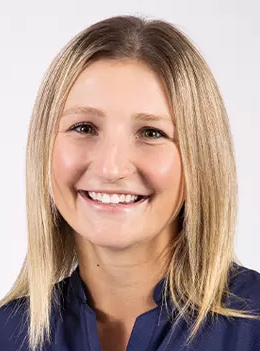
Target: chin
(119, 243)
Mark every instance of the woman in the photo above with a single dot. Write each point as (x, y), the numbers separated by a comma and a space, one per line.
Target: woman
(131, 203)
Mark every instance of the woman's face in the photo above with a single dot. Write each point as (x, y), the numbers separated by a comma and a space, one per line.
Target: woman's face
(120, 149)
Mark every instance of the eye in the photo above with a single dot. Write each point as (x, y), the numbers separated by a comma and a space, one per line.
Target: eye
(82, 128)
(87, 128)
(152, 133)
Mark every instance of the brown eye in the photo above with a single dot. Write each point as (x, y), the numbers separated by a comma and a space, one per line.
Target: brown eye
(82, 128)
(87, 128)
(152, 133)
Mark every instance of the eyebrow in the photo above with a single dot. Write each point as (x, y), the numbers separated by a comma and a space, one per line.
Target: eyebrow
(93, 111)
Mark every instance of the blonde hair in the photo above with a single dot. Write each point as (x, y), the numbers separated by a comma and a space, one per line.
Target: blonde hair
(202, 253)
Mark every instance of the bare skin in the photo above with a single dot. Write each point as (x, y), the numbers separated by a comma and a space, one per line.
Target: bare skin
(119, 292)
(122, 256)
(118, 306)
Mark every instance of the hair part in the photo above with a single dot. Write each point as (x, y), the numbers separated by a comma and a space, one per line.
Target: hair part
(202, 253)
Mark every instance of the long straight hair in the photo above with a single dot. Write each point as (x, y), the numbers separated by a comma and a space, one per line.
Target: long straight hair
(202, 254)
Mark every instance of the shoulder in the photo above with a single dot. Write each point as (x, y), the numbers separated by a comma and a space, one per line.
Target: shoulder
(244, 283)
(14, 319)
(13, 324)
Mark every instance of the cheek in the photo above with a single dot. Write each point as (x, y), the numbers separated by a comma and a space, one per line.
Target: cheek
(162, 165)
(66, 163)
(164, 168)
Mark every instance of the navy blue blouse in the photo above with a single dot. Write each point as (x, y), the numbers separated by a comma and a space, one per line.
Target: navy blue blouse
(74, 326)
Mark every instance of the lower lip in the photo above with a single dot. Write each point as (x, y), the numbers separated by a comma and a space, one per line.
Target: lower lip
(113, 208)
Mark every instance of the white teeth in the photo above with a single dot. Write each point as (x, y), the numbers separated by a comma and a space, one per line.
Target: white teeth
(114, 199)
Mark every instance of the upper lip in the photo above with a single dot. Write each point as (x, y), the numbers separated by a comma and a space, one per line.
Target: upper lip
(116, 192)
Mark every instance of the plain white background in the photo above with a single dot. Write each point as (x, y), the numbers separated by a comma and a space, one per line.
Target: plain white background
(31, 33)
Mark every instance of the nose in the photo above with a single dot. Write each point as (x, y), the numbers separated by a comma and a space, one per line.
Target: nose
(112, 159)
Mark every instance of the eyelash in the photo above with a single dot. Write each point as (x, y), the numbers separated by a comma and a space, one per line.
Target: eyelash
(77, 125)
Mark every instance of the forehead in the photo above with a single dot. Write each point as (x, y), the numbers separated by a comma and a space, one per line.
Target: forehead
(117, 86)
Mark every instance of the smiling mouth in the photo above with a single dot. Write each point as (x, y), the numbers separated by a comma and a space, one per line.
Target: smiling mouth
(140, 198)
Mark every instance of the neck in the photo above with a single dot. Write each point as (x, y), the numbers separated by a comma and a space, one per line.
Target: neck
(120, 283)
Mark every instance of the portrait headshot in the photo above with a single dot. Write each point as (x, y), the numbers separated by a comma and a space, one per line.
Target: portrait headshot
(131, 189)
